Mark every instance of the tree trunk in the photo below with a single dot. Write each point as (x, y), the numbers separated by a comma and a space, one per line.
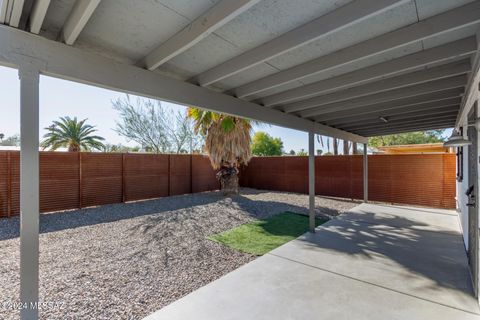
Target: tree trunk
(228, 177)
(335, 146)
(229, 184)
(346, 147)
(354, 148)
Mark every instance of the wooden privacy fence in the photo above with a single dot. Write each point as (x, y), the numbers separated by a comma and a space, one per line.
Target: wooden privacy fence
(75, 180)
(417, 179)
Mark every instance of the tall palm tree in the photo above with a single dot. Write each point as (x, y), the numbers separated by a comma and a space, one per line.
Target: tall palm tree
(73, 134)
(227, 144)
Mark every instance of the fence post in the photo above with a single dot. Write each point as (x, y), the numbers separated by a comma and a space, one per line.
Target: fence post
(191, 173)
(168, 175)
(9, 186)
(80, 193)
(311, 180)
(123, 177)
(365, 172)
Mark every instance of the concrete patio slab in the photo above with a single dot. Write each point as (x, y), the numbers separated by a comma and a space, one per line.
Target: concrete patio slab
(376, 262)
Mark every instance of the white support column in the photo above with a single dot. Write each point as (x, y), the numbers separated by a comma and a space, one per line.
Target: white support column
(365, 173)
(311, 179)
(29, 191)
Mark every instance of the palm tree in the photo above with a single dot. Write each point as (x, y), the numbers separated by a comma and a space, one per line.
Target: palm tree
(71, 133)
(227, 144)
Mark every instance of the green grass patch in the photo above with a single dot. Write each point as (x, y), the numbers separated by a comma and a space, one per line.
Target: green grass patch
(261, 236)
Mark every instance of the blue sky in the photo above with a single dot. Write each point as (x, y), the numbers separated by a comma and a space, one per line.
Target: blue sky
(64, 98)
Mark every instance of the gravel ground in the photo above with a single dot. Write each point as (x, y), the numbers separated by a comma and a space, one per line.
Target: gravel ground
(125, 261)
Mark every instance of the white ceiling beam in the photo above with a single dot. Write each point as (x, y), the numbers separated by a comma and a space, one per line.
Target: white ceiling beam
(328, 23)
(418, 108)
(39, 11)
(70, 63)
(3, 10)
(423, 100)
(453, 50)
(8, 11)
(374, 134)
(16, 13)
(433, 86)
(453, 19)
(78, 18)
(472, 94)
(439, 116)
(408, 128)
(214, 18)
(410, 115)
(405, 80)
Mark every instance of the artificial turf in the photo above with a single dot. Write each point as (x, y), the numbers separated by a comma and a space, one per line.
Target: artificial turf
(260, 236)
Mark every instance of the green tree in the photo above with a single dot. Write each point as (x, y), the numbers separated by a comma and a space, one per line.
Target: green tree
(227, 143)
(265, 145)
(292, 152)
(73, 134)
(418, 137)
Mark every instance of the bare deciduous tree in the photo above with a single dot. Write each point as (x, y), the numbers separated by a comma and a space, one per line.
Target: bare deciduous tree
(155, 127)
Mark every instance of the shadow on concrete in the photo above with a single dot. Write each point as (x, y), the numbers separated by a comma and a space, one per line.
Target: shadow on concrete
(421, 248)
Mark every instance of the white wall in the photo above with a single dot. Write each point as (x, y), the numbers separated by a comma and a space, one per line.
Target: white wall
(462, 198)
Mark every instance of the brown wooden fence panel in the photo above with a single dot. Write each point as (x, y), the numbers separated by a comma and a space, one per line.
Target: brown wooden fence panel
(145, 176)
(379, 179)
(4, 184)
(15, 183)
(449, 175)
(59, 181)
(203, 176)
(101, 178)
(425, 179)
(296, 176)
(332, 176)
(180, 174)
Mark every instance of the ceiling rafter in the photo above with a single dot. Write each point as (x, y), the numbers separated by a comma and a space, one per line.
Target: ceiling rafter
(450, 20)
(78, 18)
(450, 114)
(208, 22)
(387, 69)
(3, 11)
(340, 18)
(403, 129)
(39, 11)
(404, 80)
(421, 100)
(16, 13)
(411, 91)
(419, 109)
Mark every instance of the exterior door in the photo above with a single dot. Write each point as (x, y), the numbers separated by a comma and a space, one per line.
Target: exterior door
(473, 202)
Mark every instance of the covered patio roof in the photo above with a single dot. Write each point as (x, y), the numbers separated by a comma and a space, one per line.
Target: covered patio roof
(340, 68)
(347, 69)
